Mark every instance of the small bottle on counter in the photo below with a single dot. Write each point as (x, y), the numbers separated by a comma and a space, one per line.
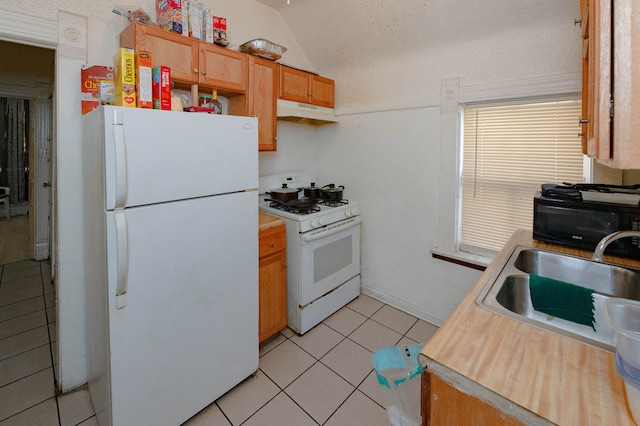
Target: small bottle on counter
(204, 101)
(215, 103)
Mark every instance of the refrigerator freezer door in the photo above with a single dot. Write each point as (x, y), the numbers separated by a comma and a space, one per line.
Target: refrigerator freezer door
(189, 330)
(157, 156)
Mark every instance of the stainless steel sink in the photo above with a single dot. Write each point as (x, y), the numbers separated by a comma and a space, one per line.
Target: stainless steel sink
(507, 291)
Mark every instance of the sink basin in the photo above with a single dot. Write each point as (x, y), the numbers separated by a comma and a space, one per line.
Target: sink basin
(507, 291)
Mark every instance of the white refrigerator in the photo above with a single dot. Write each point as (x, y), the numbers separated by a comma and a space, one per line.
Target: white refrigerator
(171, 269)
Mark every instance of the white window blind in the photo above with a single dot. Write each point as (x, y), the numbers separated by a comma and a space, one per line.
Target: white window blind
(508, 152)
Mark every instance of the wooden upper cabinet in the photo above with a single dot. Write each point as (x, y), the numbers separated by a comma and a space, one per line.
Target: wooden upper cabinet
(322, 91)
(222, 68)
(294, 84)
(587, 80)
(599, 54)
(626, 87)
(301, 86)
(263, 96)
(611, 82)
(179, 53)
(191, 61)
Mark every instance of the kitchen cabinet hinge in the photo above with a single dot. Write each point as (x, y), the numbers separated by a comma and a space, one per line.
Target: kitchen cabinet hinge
(611, 108)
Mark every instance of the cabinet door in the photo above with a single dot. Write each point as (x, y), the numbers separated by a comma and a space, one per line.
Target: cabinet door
(626, 75)
(599, 56)
(175, 51)
(294, 85)
(586, 119)
(442, 404)
(263, 88)
(222, 68)
(322, 90)
(273, 295)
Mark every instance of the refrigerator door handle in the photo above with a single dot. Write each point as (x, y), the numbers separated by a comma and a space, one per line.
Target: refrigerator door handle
(122, 269)
(120, 165)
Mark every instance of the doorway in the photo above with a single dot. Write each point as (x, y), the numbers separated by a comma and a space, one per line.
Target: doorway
(26, 80)
(14, 179)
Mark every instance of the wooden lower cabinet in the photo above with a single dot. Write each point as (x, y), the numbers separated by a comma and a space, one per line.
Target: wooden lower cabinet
(442, 405)
(272, 282)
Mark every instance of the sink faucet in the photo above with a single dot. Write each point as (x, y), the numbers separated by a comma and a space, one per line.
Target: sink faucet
(602, 245)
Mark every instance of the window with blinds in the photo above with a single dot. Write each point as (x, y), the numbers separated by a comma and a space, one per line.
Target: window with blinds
(508, 152)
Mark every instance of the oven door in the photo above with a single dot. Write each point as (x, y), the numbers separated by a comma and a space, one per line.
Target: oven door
(330, 257)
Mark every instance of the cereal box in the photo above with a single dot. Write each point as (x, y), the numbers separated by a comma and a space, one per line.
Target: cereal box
(223, 28)
(208, 26)
(185, 18)
(169, 15)
(161, 87)
(143, 80)
(219, 29)
(196, 17)
(216, 29)
(124, 79)
(91, 78)
(106, 92)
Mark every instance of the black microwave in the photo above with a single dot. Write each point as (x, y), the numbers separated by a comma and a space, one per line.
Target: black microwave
(583, 224)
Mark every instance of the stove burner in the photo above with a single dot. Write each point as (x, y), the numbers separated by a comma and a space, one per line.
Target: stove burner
(297, 210)
(334, 203)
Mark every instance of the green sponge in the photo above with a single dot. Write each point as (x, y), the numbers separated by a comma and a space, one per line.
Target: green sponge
(562, 300)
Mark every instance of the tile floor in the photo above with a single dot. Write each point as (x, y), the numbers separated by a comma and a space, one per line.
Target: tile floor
(325, 377)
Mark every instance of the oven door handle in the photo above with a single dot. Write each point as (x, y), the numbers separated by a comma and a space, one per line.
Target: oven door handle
(332, 230)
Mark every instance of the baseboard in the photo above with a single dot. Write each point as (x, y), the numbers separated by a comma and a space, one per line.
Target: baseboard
(409, 308)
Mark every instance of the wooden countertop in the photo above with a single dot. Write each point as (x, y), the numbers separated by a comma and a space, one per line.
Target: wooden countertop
(266, 221)
(559, 379)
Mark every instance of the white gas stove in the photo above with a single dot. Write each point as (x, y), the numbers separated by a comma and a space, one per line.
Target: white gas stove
(323, 249)
(323, 213)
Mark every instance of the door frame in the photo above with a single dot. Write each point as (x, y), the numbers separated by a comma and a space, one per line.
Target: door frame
(66, 34)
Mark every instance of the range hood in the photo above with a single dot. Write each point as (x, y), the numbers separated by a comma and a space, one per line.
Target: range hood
(304, 113)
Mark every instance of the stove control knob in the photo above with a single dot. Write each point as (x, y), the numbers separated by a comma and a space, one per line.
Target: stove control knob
(315, 223)
(351, 212)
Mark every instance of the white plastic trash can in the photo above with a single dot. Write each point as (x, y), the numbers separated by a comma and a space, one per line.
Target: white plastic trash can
(396, 369)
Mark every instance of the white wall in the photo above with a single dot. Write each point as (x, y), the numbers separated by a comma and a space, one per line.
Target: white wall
(414, 77)
(246, 20)
(295, 150)
(389, 162)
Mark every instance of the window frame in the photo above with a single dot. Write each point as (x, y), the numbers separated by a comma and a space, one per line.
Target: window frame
(452, 95)
(545, 102)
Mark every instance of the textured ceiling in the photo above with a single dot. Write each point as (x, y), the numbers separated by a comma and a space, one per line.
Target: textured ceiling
(338, 33)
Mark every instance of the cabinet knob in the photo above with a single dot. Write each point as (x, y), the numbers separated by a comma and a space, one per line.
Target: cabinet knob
(272, 245)
(204, 73)
(195, 70)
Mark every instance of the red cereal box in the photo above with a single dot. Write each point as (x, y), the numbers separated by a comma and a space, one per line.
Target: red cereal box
(124, 79)
(169, 15)
(91, 78)
(161, 88)
(143, 80)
